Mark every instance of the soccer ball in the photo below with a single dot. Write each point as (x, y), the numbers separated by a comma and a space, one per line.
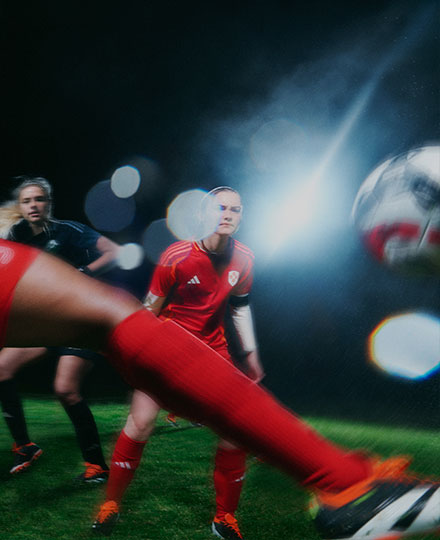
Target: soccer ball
(397, 211)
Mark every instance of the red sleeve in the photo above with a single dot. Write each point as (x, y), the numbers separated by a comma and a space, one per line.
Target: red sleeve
(163, 279)
(164, 275)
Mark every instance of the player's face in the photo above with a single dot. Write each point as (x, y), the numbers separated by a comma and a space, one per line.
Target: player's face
(230, 212)
(34, 205)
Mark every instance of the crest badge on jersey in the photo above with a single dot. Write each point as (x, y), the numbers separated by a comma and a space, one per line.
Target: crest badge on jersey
(233, 277)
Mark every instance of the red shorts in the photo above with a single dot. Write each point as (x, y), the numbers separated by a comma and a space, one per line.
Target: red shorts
(220, 348)
(14, 261)
(223, 351)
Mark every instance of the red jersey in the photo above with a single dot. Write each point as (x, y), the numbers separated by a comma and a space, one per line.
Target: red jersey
(197, 285)
(14, 261)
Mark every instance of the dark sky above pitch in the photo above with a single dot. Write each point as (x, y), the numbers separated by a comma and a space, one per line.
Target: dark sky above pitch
(187, 83)
(86, 88)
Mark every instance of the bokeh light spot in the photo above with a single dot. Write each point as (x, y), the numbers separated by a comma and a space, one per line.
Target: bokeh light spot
(130, 256)
(407, 345)
(125, 181)
(193, 215)
(107, 212)
(156, 238)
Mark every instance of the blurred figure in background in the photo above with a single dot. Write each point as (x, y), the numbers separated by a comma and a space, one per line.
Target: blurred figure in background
(28, 219)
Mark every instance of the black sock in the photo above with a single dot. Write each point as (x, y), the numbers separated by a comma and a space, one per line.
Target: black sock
(86, 433)
(13, 412)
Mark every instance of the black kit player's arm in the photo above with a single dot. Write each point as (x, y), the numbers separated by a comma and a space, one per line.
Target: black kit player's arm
(86, 238)
(109, 253)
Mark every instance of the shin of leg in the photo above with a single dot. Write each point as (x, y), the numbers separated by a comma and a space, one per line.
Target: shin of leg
(13, 413)
(70, 372)
(125, 460)
(130, 445)
(229, 473)
(11, 360)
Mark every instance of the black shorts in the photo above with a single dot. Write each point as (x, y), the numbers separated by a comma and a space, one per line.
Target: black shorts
(87, 354)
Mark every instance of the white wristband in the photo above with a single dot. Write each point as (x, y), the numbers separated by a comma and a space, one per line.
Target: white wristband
(150, 299)
(242, 319)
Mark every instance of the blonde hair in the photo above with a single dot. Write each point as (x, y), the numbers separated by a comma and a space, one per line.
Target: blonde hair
(9, 216)
(10, 213)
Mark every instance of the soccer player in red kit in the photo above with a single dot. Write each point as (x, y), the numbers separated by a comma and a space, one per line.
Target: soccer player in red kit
(46, 302)
(192, 285)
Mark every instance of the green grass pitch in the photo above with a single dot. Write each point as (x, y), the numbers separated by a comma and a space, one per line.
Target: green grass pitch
(171, 497)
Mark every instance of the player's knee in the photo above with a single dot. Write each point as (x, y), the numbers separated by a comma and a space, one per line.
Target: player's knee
(143, 429)
(66, 395)
(139, 426)
(8, 368)
(6, 373)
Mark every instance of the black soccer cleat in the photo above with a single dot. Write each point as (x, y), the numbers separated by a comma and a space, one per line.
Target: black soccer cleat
(386, 506)
(94, 474)
(226, 528)
(25, 455)
(106, 519)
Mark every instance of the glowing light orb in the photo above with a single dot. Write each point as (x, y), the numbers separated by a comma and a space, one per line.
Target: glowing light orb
(407, 345)
(193, 215)
(107, 212)
(125, 181)
(130, 256)
(156, 238)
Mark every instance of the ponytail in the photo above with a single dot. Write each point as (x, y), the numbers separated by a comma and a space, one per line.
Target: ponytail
(9, 216)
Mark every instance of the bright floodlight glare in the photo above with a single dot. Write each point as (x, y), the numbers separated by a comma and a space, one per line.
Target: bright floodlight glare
(156, 238)
(277, 145)
(125, 181)
(407, 345)
(299, 211)
(130, 256)
(107, 212)
(193, 215)
(264, 141)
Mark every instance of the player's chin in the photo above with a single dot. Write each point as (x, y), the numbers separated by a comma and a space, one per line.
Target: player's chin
(36, 220)
(226, 229)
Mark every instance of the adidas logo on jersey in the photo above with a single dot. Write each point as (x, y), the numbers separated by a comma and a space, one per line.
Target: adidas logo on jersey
(194, 280)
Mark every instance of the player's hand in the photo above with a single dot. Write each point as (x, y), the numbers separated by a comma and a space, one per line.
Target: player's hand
(254, 368)
(85, 270)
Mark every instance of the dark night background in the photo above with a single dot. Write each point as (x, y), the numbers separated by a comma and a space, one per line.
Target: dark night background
(252, 95)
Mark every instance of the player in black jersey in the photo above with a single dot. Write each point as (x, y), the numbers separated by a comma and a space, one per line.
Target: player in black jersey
(28, 219)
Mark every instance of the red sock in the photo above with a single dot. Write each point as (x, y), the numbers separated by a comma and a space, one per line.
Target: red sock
(189, 378)
(125, 460)
(229, 472)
